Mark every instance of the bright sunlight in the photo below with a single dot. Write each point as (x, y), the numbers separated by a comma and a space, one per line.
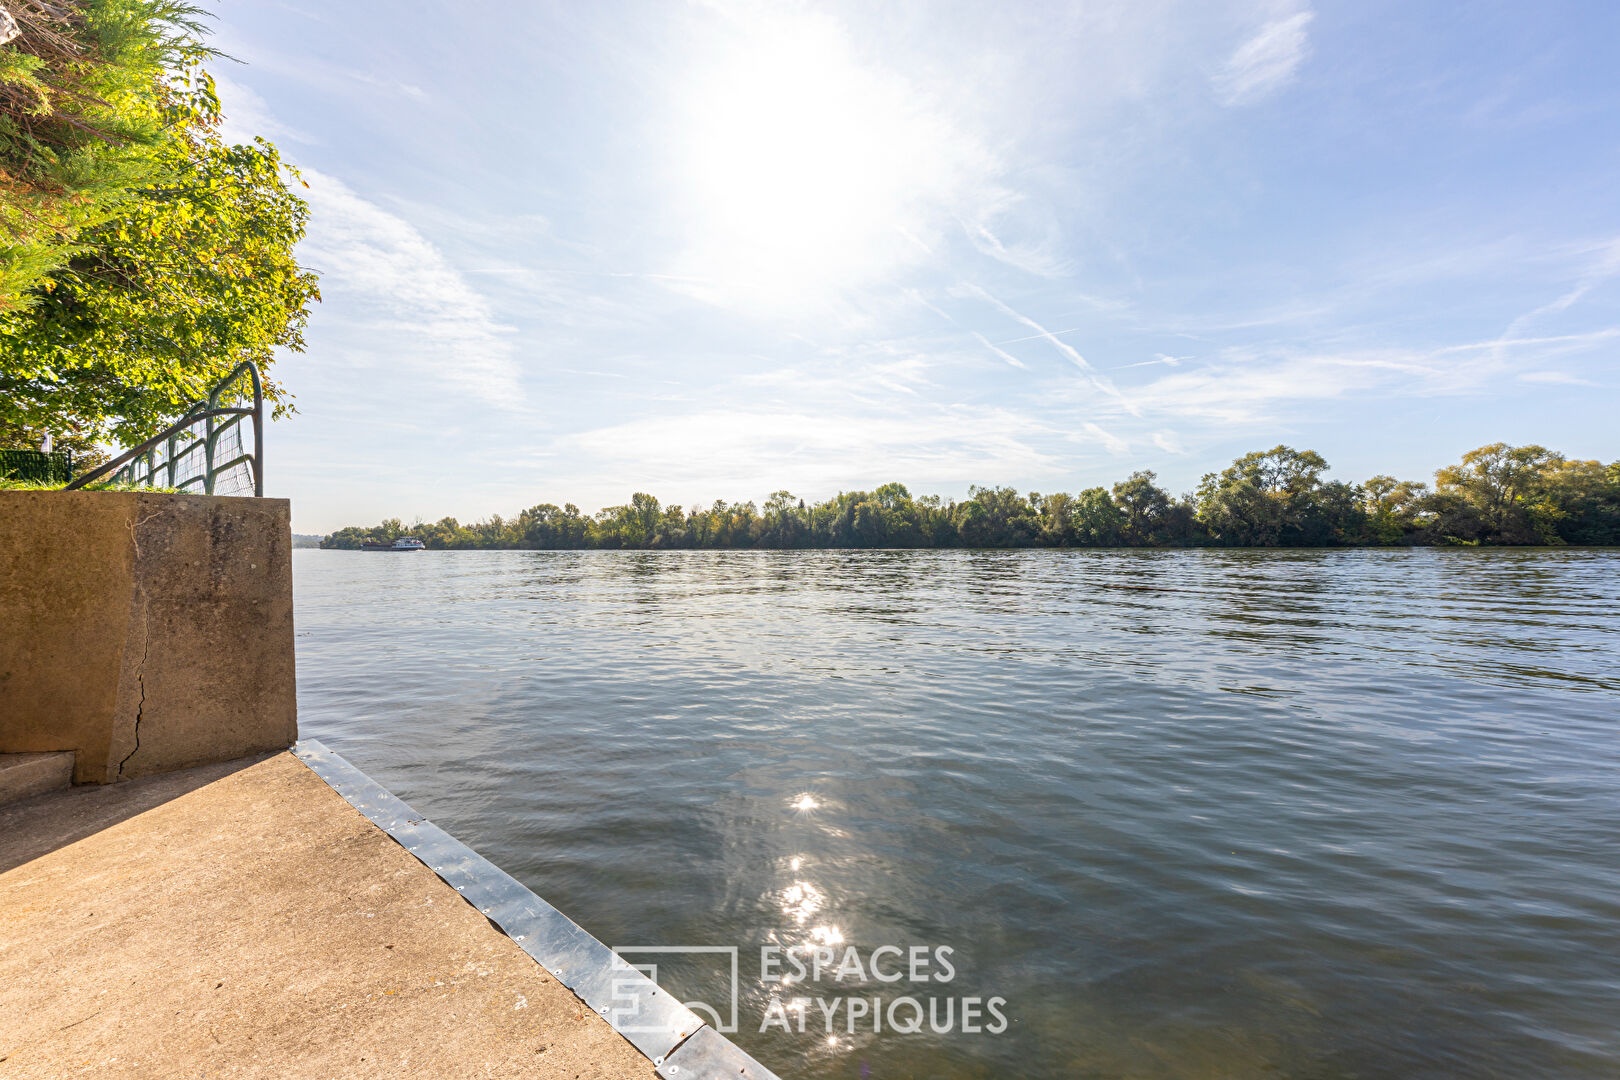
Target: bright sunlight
(805, 172)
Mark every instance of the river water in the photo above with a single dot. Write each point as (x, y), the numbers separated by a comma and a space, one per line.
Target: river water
(1187, 814)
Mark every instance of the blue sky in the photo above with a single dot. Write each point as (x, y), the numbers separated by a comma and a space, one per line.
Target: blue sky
(710, 250)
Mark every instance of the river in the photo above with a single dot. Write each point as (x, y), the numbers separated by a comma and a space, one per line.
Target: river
(1185, 814)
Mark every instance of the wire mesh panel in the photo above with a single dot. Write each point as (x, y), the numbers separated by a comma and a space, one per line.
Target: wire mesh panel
(41, 466)
(214, 449)
(209, 456)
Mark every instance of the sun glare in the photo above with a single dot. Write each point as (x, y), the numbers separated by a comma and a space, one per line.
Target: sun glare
(804, 171)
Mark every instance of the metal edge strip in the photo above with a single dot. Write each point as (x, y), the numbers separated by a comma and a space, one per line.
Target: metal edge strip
(643, 1013)
(709, 1055)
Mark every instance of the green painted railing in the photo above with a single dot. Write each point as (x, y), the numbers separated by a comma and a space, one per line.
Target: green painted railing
(202, 447)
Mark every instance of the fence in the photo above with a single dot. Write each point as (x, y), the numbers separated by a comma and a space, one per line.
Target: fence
(39, 466)
(204, 449)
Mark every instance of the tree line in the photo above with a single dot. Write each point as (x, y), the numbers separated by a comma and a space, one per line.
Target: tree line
(1497, 494)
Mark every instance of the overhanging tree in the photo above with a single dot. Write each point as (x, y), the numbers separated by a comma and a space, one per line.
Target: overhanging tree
(85, 109)
(179, 277)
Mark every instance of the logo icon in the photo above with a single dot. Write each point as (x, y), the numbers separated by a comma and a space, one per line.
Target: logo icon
(624, 991)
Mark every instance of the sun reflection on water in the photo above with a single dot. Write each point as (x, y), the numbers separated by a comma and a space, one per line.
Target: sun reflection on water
(827, 935)
(801, 900)
(808, 941)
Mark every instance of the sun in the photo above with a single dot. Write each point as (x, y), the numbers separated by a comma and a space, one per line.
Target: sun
(802, 170)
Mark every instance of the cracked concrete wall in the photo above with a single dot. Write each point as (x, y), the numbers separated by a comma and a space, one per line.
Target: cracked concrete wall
(146, 632)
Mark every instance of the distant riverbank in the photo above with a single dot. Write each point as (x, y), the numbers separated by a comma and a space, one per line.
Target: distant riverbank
(1497, 494)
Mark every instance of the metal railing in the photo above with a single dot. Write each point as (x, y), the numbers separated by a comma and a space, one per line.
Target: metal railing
(200, 448)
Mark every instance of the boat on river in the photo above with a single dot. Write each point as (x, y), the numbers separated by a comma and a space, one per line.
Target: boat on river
(400, 543)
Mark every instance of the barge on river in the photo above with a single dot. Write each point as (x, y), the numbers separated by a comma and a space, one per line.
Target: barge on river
(400, 543)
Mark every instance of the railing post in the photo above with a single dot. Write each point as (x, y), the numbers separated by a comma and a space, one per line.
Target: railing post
(258, 431)
(208, 455)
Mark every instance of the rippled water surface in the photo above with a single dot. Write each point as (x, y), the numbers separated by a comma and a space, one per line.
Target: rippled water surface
(1191, 814)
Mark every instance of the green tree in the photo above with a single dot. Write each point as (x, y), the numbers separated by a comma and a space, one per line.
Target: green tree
(547, 526)
(996, 517)
(1276, 497)
(1581, 499)
(783, 523)
(1145, 507)
(1097, 521)
(1056, 518)
(88, 101)
(192, 277)
(1395, 509)
(1505, 487)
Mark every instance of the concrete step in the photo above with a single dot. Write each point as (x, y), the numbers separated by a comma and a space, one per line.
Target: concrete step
(22, 775)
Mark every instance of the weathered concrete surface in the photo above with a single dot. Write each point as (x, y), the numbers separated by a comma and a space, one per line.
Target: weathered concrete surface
(25, 775)
(242, 920)
(144, 631)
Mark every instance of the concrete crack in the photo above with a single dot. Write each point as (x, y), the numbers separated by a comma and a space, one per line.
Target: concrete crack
(75, 1023)
(140, 680)
(146, 639)
(135, 532)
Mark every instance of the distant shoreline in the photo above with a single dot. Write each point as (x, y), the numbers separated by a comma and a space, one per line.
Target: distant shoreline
(1028, 547)
(1521, 496)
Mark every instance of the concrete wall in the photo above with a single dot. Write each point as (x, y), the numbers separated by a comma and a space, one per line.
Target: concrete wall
(145, 632)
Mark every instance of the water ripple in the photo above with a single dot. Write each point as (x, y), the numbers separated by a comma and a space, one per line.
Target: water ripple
(1194, 813)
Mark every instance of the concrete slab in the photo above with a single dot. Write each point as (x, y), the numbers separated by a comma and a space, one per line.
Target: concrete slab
(242, 920)
(147, 631)
(25, 775)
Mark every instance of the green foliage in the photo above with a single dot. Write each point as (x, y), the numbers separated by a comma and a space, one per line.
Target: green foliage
(1502, 488)
(1269, 498)
(37, 466)
(1395, 510)
(86, 108)
(177, 276)
(1149, 517)
(8, 483)
(1276, 498)
(1096, 520)
(1525, 495)
(1580, 500)
(194, 276)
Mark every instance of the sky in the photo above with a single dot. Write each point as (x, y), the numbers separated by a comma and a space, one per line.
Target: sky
(708, 250)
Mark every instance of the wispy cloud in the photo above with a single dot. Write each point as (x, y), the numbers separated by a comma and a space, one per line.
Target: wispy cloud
(398, 289)
(1037, 248)
(1009, 357)
(1245, 386)
(1167, 441)
(1562, 378)
(1265, 62)
(702, 454)
(1114, 443)
(389, 85)
(1602, 263)
(1041, 336)
(1161, 360)
(1100, 381)
(248, 116)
